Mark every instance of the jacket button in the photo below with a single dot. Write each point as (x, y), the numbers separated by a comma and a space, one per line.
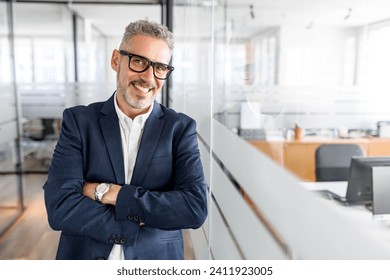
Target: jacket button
(123, 241)
(141, 219)
(111, 239)
(135, 218)
(130, 217)
(117, 240)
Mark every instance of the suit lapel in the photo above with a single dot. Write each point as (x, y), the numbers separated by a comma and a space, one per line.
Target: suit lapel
(112, 136)
(151, 134)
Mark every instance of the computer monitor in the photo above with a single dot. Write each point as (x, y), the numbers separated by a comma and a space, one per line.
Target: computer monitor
(360, 182)
(381, 192)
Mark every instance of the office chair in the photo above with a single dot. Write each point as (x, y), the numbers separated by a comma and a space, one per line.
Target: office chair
(332, 161)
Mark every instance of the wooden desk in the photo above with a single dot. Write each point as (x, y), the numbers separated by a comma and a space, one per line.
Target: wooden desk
(298, 156)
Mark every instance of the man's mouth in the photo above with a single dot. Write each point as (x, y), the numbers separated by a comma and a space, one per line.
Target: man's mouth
(141, 88)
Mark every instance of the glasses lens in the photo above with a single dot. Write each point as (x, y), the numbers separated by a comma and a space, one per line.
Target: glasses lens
(161, 70)
(138, 63)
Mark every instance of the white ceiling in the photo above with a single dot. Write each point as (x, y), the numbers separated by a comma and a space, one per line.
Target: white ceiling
(110, 19)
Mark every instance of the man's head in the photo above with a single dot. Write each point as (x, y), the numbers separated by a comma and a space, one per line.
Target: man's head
(142, 65)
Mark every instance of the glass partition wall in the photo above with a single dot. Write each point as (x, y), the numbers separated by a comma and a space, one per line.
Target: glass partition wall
(11, 180)
(44, 62)
(268, 82)
(52, 56)
(61, 60)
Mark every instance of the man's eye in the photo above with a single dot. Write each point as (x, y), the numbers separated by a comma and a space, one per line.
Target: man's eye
(139, 61)
(161, 68)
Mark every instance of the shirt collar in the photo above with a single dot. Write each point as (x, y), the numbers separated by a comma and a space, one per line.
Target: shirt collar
(123, 119)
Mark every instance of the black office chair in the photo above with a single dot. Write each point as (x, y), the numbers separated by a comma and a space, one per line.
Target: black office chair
(333, 161)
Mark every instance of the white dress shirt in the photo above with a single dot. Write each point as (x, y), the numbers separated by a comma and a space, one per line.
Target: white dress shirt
(131, 133)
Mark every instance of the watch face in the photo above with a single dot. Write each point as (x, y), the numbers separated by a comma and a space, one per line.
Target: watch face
(101, 187)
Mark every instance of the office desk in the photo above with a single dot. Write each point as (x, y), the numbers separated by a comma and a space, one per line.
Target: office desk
(298, 156)
(359, 214)
(339, 188)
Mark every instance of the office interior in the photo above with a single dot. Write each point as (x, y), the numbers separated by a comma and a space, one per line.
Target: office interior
(268, 82)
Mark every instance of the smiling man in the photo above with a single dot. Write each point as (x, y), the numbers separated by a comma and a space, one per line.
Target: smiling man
(126, 175)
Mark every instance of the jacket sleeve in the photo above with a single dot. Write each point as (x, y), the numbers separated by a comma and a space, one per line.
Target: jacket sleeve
(68, 210)
(184, 205)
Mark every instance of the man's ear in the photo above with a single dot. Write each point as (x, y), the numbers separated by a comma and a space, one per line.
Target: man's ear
(115, 60)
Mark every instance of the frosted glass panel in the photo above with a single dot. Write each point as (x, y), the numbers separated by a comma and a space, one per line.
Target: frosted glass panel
(221, 243)
(253, 238)
(253, 75)
(200, 247)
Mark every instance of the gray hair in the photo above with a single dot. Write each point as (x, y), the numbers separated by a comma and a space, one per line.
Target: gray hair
(149, 28)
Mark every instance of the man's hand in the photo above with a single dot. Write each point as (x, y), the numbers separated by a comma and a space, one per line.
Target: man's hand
(108, 198)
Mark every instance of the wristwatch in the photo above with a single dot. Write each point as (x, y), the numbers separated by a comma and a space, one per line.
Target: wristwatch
(100, 190)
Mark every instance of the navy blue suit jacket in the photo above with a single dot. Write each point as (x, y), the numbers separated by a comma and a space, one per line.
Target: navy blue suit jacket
(167, 191)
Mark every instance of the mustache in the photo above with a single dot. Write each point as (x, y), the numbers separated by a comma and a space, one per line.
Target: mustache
(143, 83)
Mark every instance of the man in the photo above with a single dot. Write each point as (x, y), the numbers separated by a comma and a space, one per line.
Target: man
(126, 174)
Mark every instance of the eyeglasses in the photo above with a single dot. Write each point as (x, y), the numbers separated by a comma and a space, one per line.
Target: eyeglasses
(140, 64)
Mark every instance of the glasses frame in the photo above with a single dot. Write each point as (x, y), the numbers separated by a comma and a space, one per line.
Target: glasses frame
(150, 63)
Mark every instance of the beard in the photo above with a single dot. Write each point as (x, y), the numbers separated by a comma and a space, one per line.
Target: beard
(137, 102)
(133, 102)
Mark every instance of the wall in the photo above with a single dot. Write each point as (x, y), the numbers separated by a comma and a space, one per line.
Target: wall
(11, 182)
(257, 209)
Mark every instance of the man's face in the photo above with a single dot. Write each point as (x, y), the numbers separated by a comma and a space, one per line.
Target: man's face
(136, 91)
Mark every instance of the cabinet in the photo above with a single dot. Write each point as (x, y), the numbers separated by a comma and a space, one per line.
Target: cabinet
(298, 156)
